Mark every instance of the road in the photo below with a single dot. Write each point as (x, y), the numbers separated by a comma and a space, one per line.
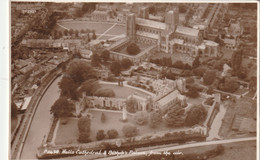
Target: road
(181, 147)
(41, 121)
(213, 133)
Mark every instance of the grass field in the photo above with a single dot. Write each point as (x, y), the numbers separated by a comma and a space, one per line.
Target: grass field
(104, 30)
(68, 133)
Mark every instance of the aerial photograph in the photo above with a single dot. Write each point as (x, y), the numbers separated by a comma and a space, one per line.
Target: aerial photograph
(133, 80)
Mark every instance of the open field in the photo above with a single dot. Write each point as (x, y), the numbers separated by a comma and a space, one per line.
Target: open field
(238, 151)
(123, 92)
(103, 30)
(67, 133)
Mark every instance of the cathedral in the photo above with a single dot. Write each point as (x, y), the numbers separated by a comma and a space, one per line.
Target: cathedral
(169, 37)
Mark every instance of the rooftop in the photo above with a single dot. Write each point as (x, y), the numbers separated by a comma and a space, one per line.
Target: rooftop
(150, 23)
(169, 97)
(187, 31)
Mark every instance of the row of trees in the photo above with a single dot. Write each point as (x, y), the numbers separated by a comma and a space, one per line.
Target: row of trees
(168, 62)
(112, 133)
(89, 34)
(176, 117)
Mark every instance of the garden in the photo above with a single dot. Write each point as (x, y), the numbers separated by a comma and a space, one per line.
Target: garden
(95, 125)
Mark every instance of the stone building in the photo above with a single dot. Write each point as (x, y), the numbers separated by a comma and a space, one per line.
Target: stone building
(169, 37)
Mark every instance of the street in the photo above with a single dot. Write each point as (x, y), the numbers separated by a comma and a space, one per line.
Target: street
(41, 121)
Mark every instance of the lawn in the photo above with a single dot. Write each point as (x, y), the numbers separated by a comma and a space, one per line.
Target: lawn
(68, 133)
(239, 151)
(123, 92)
(99, 27)
(195, 101)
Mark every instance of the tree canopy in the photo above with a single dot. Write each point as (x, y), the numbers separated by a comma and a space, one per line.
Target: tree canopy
(175, 116)
(115, 68)
(133, 49)
(126, 63)
(112, 133)
(155, 118)
(76, 73)
(195, 115)
(105, 55)
(100, 135)
(209, 77)
(84, 124)
(62, 108)
(131, 105)
(130, 131)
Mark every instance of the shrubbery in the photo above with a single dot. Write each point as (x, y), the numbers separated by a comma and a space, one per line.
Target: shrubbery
(130, 131)
(112, 133)
(141, 118)
(100, 135)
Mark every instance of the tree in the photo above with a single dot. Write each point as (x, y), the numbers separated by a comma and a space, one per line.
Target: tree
(175, 116)
(196, 63)
(95, 60)
(68, 87)
(100, 135)
(230, 84)
(84, 124)
(103, 117)
(115, 68)
(209, 77)
(126, 63)
(155, 119)
(131, 105)
(84, 137)
(105, 55)
(94, 35)
(79, 71)
(195, 115)
(76, 33)
(193, 92)
(65, 32)
(236, 61)
(89, 87)
(198, 71)
(76, 73)
(141, 118)
(130, 131)
(112, 133)
(71, 31)
(62, 108)
(84, 129)
(133, 49)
